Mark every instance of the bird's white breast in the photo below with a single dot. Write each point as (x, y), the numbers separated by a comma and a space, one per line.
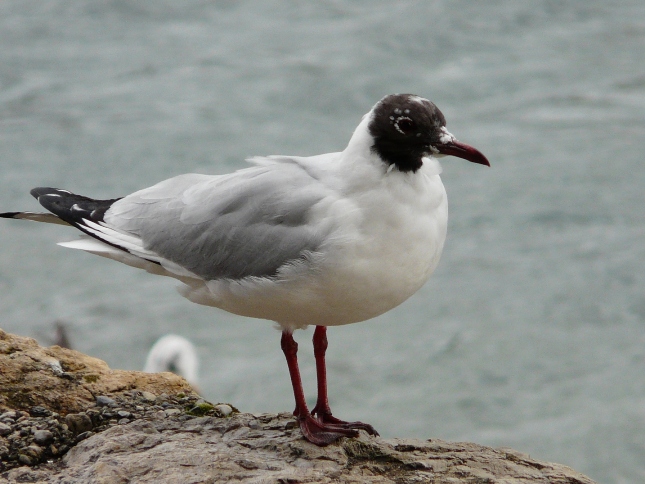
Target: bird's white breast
(392, 247)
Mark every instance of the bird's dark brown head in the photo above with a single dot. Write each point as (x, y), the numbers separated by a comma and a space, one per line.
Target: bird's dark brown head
(406, 128)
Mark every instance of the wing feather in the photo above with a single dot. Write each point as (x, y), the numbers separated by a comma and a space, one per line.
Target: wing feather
(248, 223)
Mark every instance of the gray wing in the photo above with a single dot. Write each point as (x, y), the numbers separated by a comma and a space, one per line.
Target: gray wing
(248, 223)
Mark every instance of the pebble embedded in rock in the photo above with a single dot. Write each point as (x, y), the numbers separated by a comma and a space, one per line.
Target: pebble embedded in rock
(43, 437)
(25, 459)
(30, 440)
(4, 429)
(104, 401)
(149, 396)
(39, 411)
(83, 436)
(37, 450)
(78, 422)
(10, 415)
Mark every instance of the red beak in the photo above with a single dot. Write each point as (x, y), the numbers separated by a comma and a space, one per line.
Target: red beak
(462, 150)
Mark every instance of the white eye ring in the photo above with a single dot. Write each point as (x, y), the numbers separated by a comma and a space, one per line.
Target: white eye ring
(396, 123)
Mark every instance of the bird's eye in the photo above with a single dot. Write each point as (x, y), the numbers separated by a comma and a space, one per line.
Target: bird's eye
(404, 125)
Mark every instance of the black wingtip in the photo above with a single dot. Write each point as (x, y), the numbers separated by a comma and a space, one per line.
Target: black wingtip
(73, 209)
(40, 191)
(9, 214)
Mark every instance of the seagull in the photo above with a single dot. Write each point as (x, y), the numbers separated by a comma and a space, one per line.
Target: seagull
(323, 240)
(176, 354)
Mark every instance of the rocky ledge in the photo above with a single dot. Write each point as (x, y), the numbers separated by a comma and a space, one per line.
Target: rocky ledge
(59, 426)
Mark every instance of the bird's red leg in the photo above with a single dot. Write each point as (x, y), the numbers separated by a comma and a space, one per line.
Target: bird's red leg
(322, 410)
(314, 431)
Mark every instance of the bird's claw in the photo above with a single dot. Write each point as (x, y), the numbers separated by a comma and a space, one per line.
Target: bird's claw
(326, 418)
(323, 434)
(322, 428)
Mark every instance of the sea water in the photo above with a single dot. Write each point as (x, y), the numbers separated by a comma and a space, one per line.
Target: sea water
(531, 333)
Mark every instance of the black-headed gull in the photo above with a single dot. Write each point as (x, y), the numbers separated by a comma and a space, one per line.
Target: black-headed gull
(325, 240)
(176, 354)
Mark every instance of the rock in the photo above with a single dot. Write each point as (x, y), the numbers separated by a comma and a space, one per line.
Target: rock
(65, 381)
(43, 437)
(8, 415)
(39, 411)
(25, 459)
(31, 455)
(84, 435)
(204, 447)
(104, 401)
(78, 422)
(149, 396)
(179, 437)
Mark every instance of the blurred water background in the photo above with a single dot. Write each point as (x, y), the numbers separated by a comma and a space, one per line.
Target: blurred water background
(531, 333)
